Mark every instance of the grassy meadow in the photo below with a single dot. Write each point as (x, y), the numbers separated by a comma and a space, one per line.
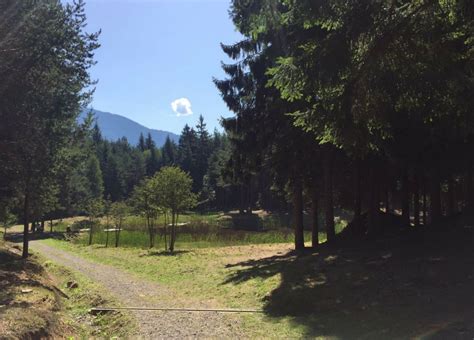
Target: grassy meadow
(200, 231)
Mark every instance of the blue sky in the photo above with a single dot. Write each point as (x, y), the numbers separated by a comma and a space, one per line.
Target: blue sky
(158, 53)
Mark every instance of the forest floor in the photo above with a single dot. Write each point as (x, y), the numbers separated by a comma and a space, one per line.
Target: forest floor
(35, 301)
(417, 285)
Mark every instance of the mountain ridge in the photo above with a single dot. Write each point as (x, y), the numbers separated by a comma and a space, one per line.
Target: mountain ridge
(114, 126)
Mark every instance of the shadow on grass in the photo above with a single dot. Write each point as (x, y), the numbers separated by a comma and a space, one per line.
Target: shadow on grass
(164, 253)
(391, 290)
(18, 237)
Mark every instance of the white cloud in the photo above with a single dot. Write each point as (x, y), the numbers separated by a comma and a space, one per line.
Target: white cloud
(182, 107)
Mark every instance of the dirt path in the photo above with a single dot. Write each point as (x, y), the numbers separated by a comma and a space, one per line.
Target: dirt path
(132, 291)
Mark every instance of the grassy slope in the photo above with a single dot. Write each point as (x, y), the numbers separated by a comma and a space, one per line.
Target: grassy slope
(397, 289)
(31, 303)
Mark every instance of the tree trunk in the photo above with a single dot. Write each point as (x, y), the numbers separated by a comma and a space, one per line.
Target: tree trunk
(374, 203)
(328, 191)
(91, 226)
(405, 200)
(451, 198)
(107, 225)
(435, 198)
(249, 197)
(26, 210)
(314, 218)
(152, 234)
(51, 226)
(387, 200)
(165, 231)
(425, 212)
(357, 196)
(242, 199)
(416, 201)
(117, 235)
(298, 214)
(173, 231)
(150, 231)
(470, 193)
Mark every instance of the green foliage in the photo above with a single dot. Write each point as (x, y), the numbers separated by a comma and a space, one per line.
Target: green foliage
(119, 211)
(94, 209)
(145, 202)
(7, 219)
(174, 194)
(44, 84)
(94, 176)
(173, 188)
(144, 199)
(381, 86)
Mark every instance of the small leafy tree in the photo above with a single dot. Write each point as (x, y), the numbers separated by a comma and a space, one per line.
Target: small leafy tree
(95, 208)
(174, 193)
(145, 203)
(119, 210)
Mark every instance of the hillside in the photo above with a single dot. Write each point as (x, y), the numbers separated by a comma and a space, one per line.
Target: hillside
(114, 126)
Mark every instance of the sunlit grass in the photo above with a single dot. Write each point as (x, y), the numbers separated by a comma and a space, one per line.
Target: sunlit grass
(199, 274)
(198, 234)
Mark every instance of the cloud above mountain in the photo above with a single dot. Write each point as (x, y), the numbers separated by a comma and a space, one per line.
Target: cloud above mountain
(182, 107)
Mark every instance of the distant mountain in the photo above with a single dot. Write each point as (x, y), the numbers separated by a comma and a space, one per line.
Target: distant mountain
(114, 127)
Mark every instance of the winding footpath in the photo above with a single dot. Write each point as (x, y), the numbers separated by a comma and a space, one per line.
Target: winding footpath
(136, 292)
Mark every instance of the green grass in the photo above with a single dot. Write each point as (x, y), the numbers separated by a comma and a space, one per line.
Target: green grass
(57, 226)
(81, 299)
(139, 222)
(203, 231)
(200, 274)
(140, 239)
(383, 292)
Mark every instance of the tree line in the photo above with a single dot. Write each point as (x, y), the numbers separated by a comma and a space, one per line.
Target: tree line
(51, 166)
(121, 166)
(359, 105)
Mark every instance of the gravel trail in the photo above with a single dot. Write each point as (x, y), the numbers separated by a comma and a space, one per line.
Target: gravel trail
(132, 291)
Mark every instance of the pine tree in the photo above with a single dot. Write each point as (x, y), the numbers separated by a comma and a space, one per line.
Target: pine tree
(94, 177)
(141, 143)
(187, 151)
(43, 87)
(202, 153)
(169, 153)
(149, 143)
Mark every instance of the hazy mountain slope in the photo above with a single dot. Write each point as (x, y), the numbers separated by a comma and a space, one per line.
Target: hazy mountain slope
(114, 126)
